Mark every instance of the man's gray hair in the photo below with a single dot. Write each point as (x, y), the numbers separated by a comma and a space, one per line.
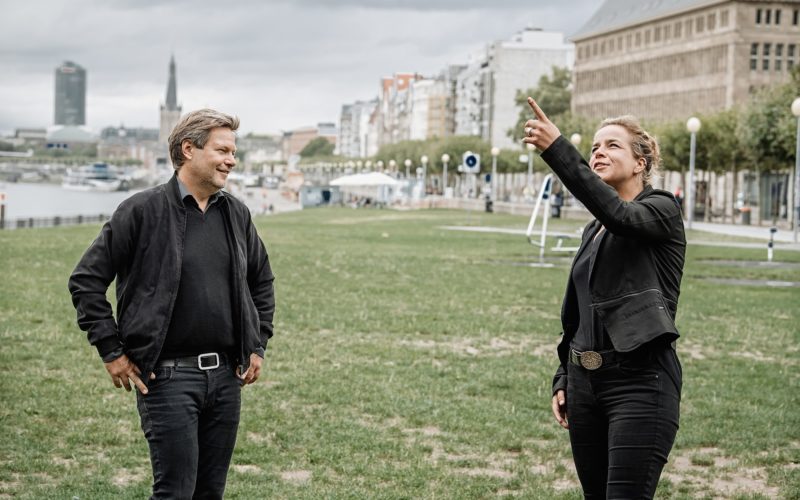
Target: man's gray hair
(196, 127)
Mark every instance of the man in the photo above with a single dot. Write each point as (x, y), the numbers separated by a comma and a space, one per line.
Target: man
(194, 307)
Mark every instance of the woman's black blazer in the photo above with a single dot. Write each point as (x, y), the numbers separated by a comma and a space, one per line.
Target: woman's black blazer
(635, 277)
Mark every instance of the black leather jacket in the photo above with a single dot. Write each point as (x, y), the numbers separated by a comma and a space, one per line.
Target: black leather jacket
(142, 246)
(635, 277)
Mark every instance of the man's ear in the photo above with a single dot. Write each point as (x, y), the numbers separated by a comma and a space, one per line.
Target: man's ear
(187, 148)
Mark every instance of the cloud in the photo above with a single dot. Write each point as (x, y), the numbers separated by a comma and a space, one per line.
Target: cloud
(277, 64)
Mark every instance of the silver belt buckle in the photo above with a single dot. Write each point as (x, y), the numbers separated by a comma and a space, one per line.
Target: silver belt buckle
(208, 355)
(591, 360)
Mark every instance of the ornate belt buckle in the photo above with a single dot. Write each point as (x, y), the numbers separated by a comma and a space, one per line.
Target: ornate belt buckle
(591, 360)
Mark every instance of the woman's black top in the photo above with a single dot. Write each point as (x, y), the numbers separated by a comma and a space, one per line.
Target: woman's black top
(591, 335)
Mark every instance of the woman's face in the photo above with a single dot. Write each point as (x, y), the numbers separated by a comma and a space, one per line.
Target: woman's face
(612, 157)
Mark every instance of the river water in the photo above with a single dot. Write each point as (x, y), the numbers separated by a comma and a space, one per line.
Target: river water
(50, 200)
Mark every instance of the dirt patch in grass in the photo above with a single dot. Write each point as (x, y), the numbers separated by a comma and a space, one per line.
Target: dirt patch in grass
(487, 472)
(494, 347)
(257, 438)
(247, 469)
(298, 476)
(707, 470)
(124, 477)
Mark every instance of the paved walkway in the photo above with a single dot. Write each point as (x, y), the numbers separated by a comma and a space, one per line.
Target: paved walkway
(761, 232)
(783, 238)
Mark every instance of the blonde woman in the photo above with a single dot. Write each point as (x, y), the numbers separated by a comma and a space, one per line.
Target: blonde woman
(617, 388)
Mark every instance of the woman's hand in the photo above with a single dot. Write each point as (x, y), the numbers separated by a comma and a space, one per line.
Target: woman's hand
(540, 132)
(560, 408)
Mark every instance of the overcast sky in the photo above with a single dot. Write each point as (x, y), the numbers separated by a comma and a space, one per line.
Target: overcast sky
(277, 64)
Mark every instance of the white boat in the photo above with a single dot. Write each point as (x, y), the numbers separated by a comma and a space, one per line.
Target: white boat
(95, 177)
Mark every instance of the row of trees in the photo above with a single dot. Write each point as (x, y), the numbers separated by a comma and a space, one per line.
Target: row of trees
(758, 135)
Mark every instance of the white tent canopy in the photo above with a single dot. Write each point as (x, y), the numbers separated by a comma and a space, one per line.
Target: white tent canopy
(371, 179)
(373, 185)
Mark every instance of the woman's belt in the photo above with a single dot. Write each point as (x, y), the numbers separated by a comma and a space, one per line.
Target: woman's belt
(592, 360)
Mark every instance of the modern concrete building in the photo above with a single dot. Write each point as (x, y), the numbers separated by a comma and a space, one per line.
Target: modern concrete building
(354, 137)
(670, 59)
(70, 95)
(170, 113)
(487, 88)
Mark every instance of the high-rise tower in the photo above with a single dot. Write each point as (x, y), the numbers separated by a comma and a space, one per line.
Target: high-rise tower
(170, 111)
(70, 104)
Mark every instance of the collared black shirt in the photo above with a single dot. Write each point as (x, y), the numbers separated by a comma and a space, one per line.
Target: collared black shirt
(202, 317)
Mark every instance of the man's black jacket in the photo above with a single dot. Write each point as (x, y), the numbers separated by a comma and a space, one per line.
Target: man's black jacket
(142, 246)
(635, 277)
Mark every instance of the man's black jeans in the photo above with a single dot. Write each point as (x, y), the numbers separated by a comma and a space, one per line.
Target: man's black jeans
(190, 418)
(622, 423)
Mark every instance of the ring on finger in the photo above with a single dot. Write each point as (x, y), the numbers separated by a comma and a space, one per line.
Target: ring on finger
(529, 131)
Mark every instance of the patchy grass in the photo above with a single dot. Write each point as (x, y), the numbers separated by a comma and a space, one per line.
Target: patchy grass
(408, 362)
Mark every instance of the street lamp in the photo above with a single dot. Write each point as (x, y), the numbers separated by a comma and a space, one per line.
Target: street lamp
(445, 160)
(368, 164)
(424, 160)
(529, 181)
(379, 165)
(407, 163)
(392, 166)
(692, 125)
(796, 112)
(575, 139)
(495, 151)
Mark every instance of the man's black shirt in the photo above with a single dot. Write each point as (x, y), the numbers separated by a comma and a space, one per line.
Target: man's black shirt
(202, 317)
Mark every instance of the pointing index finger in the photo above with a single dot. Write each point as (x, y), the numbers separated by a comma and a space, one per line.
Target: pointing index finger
(536, 109)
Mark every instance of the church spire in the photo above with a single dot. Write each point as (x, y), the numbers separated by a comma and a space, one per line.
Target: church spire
(172, 89)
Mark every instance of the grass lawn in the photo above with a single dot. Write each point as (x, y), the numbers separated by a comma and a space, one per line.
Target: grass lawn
(409, 361)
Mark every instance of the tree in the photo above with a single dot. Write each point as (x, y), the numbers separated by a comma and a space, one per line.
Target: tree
(553, 94)
(768, 128)
(319, 146)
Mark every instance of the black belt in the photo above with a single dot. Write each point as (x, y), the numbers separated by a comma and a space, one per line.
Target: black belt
(592, 360)
(205, 361)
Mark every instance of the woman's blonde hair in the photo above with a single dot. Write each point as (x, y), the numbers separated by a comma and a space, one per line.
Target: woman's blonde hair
(643, 144)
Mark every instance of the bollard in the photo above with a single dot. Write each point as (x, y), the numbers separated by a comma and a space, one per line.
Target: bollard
(771, 243)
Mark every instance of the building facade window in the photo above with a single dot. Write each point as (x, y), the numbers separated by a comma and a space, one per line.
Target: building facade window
(778, 56)
(758, 16)
(711, 21)
(699, 24)
(723, 19)
(795, 17)
(768, 16)
(777, 16)
(790, 50)
(765, 56)
(678, 28)
(753, 57)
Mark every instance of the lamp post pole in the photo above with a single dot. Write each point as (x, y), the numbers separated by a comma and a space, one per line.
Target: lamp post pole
(692, 125)
(445, 160)
(796, 113)
(424, 160)
(493, 185)
(407, 163)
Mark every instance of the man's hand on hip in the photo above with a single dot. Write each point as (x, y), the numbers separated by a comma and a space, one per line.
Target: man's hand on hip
(123, 372)
(253, 371)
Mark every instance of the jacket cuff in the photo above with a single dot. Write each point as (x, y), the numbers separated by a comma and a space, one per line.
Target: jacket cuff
(109, 349)
(559, 383)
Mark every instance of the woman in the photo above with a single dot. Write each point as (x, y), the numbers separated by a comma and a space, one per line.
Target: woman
(619, 379)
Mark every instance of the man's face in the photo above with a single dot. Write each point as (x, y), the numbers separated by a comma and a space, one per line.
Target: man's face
(208, 168)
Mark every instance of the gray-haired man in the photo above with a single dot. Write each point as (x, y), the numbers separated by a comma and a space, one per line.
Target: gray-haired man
(194, 307)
